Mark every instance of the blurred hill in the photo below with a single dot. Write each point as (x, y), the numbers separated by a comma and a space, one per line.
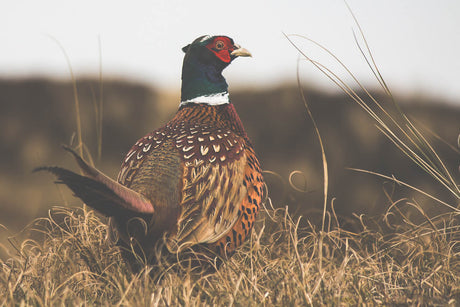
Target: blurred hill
(38, 115)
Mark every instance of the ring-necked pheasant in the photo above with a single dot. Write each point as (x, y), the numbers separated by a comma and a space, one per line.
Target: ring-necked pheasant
(195, 180)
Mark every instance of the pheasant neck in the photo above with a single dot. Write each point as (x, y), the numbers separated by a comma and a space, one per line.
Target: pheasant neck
(203, 84)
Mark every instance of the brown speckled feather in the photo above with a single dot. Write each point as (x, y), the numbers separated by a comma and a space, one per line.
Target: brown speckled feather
(203, 173)
(211, 194)
(248, 207)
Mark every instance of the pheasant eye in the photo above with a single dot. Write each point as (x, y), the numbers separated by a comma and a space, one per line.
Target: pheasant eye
(220, 45)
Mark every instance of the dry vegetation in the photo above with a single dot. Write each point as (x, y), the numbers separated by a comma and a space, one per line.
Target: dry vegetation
(279, 265)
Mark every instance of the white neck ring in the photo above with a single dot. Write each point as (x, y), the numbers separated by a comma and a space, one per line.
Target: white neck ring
(212, 100)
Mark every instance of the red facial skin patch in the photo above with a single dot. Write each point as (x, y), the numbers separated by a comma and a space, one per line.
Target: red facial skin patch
(222, 46)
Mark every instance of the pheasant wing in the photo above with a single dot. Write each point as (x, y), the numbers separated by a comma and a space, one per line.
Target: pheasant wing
(212, 189)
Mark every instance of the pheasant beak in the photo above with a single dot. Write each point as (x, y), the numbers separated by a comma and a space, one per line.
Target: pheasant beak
(239, 51)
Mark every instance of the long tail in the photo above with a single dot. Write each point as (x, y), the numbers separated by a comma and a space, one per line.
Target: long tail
(99, 191)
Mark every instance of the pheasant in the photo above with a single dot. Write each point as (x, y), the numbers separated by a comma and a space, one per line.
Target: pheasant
(194, 181)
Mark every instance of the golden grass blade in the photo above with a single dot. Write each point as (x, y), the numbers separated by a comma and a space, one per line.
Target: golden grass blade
(75, 94)
(324, 162)
(101, 104)
(409, 186)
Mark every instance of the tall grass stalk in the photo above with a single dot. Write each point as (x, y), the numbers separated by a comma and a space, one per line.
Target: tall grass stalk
(75, 96)
(81, 146)
(101, 105)
(325, 169)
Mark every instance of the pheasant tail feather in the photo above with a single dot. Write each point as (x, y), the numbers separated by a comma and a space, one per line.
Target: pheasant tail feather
(99, 191)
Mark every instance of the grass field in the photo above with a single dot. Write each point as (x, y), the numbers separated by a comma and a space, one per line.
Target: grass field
(286, 262)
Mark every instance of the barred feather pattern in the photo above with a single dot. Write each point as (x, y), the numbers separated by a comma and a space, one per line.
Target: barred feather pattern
(248, 207)
(222, 186)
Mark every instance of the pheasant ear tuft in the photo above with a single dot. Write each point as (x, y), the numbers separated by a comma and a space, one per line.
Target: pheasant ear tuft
(185, 49)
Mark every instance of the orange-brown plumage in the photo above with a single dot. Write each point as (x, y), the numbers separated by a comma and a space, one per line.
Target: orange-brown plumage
(220, 178)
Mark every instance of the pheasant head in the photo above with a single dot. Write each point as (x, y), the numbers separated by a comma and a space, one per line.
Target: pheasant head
(205, 59)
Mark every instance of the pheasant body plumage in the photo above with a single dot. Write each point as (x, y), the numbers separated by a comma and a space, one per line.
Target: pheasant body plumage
(219, 165)
(196, 180)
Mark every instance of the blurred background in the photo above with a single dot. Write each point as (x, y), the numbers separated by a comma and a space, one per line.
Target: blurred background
(129, 57)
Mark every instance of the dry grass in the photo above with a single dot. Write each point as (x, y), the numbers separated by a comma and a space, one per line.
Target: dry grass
(279, 265)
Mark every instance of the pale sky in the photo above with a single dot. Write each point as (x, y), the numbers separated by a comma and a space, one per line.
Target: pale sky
(415, 43)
